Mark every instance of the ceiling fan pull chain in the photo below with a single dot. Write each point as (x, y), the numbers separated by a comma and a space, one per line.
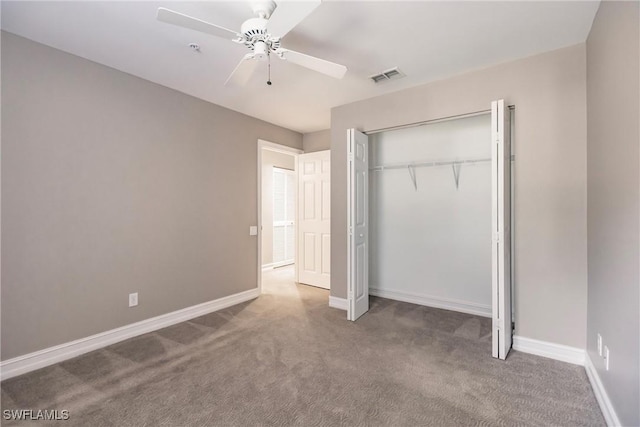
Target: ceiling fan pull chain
(269, 69)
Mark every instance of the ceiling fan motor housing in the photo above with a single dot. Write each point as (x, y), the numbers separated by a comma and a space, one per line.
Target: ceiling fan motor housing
(256, 38)
(254, 27)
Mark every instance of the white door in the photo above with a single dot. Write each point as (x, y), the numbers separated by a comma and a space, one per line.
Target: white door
(501, 229)
(284, 214)
(358, 224)
(314, 220)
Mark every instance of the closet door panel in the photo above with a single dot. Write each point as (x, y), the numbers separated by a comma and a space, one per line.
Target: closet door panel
(501, 230)
(358, 218)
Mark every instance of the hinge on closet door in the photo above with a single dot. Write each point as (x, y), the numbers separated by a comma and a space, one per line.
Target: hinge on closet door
(496, 237)
(350, 157)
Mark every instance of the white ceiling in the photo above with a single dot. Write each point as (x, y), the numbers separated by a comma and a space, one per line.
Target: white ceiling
(427, 40)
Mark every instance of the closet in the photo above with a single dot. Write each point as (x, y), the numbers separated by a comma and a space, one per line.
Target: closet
(429, 214)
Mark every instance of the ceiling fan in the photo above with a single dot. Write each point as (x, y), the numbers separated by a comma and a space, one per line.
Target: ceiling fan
(256, 37)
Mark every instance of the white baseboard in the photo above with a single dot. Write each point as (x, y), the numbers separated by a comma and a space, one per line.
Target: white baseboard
(340, 303)
(602, 397)
(431, 301)
(39, 359)
(551, 350)
(274, 265)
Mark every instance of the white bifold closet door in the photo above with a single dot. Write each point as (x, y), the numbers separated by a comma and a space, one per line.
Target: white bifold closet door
(284, 214)
(314, 216)
(358, 224)
(501, 229)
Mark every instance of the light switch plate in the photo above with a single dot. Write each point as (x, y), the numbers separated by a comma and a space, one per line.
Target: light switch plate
(253, 230)
(133, 299)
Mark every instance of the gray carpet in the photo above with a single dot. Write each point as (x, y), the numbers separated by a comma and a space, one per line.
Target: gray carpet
(286, 358)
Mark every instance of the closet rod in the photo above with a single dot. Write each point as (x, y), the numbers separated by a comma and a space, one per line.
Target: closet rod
(433, 163)
(428, 122)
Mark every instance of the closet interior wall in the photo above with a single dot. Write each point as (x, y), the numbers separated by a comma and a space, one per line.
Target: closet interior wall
(430, 214)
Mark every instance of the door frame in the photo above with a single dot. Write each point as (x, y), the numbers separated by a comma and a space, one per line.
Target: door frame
(284, 149)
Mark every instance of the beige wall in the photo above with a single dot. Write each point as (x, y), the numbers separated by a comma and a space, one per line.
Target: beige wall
(111, 185)
(271, 159)
(316, 141)
(549, 92)
(613, 95)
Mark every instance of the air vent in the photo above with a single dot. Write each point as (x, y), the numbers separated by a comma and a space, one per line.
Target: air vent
(393, 73)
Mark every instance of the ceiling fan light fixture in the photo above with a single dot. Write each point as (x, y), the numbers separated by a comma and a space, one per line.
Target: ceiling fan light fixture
(260, 50)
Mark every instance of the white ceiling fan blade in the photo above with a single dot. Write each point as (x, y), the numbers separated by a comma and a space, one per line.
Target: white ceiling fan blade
(316, 64)
(186, 21)
(288, 14)
(243, 71)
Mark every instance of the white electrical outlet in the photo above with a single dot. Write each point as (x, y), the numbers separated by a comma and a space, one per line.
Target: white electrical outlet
(607, 358)
(133, 299)
(600, 344)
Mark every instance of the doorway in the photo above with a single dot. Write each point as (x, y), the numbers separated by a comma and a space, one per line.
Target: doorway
(293, 214)
(277, 208)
